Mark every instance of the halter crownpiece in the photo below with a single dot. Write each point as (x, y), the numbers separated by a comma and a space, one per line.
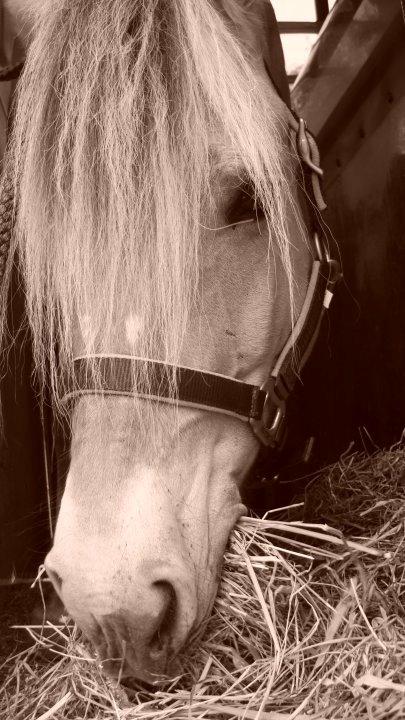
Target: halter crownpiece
(263, 407)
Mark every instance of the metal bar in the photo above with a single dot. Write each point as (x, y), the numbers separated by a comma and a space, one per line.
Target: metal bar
(322, 10)
(299, 27)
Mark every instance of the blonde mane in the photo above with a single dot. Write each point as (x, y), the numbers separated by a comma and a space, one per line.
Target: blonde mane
(112, 155)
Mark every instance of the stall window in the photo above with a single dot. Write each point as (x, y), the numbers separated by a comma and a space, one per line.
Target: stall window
(300, 22)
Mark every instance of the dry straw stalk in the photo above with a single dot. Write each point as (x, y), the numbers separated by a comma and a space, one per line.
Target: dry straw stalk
(309, 622)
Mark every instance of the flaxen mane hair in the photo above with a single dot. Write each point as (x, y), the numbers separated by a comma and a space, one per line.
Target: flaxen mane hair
(112, 148)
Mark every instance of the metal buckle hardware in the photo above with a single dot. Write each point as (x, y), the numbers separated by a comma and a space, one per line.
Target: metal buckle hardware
(269, 429)
(332, 267)
(334, 277)
(320, 248)
(323, 255)
(335, 273)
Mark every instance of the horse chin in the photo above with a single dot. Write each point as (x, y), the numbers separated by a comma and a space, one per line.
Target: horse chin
(128, 670)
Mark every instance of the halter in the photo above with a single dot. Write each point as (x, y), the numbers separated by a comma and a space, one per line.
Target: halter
(264, 407)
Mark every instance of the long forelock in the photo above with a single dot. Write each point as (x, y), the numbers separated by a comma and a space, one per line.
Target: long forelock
(112, 150)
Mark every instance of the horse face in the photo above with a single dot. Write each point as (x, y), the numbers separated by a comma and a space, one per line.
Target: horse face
(152, 491)
(143, 524)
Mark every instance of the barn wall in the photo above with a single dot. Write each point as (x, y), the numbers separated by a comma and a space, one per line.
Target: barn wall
(352, 94)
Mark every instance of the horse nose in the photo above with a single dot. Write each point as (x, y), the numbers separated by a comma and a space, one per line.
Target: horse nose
(136, 628)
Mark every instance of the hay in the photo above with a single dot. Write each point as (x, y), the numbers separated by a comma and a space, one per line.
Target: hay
(308, 623)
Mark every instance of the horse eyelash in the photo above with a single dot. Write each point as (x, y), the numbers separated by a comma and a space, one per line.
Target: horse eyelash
(244, 205)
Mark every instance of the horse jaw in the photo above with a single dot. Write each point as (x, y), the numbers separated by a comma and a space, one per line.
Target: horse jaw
(142, 532)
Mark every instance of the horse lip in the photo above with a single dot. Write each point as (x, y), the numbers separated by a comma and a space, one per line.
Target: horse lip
(138, 671)
(145, 666)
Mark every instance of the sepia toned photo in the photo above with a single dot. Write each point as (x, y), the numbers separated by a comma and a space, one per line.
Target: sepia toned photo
(202, 359)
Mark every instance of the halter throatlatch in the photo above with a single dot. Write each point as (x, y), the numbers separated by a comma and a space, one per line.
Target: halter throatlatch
(264, 407)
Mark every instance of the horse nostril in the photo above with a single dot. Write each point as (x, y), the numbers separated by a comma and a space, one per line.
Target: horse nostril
(158, 644)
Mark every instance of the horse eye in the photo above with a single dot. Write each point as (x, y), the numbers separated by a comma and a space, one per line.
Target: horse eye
(244, 206)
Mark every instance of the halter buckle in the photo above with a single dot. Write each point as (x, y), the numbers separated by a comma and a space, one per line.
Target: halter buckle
(269, 429)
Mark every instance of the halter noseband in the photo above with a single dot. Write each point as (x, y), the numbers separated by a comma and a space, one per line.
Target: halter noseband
(265, 406)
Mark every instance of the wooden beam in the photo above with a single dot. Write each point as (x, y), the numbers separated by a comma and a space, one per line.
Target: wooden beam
(329, 87)
(322, 10)
(299, 27)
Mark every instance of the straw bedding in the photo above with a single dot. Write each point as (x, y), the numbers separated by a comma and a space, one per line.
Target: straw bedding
(309, 621)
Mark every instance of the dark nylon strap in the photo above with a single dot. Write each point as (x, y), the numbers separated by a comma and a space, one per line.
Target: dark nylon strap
(115, 375)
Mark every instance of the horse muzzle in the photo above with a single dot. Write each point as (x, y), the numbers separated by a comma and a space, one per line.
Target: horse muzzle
(137, 622)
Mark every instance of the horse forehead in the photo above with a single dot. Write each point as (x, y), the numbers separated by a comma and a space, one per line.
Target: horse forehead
(236, 279)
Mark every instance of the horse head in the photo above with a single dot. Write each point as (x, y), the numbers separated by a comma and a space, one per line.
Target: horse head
(158, 218)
